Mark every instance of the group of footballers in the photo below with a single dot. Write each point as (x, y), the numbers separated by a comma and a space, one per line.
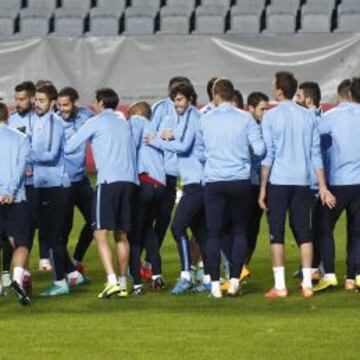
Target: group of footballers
(232, 164)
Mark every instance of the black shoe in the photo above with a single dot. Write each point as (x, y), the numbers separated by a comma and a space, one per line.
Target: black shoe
(138, 291)
(157, 283)
(298, 274)
(20, 294)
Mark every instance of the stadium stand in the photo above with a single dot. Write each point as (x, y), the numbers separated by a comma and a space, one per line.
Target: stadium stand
(146, 17)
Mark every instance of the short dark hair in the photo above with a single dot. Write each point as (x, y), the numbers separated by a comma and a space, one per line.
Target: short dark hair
(355, 89)
(108, 96)
(43, 82)
(238, 99)
(209, 87)
(4, 112)
(69, 92)
(311, 90)
(49, 90)
(343, 88)
(224, 88)
(286, 82)
(185, 89)
(177, 80)
(255, 98)
(27, 86)
(141, 108)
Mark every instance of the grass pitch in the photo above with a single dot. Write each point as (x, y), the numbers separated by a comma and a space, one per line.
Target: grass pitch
(161, 326)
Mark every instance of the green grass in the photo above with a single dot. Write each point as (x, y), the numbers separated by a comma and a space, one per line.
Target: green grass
(160, 326)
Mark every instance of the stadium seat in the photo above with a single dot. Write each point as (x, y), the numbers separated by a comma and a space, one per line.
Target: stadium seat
(190, 4)
(33, 25)
(283, 7)
(224, 3)
(109, 7)
(281, 16)
(348, 22)
(40, 5)
(255, 7)
(316, 17)
(9, 9)
(325, 4)
(175, 20)
(349, 16)
(154, 4)
(349, 6)
(67, 24)
(284, 23)
(245, 19)
(249, 6)
(210, 19)
(104, 25)
(139, 21)
(6, 26)
(40, 9)
(76, 7)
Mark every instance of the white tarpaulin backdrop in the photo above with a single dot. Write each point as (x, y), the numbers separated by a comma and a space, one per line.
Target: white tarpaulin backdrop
(140, 67)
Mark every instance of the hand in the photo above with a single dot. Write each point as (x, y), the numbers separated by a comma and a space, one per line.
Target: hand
(8, 199)
(148, 139)
(262, 199)
(327, 198)
(29, 171)
(167, 134)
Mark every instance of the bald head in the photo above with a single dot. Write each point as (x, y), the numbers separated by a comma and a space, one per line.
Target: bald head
(141, 108)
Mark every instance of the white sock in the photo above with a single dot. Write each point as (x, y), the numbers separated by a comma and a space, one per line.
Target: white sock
(215, 286)
(279, 277)
(200, 264)
(306, 283)
(122, 281)
(329, 276)
(111, 279)
(185, 275)
(60, 282)
(234, 283)
(206, 279)
(18, 274)
(138, 286)
(76, 262)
